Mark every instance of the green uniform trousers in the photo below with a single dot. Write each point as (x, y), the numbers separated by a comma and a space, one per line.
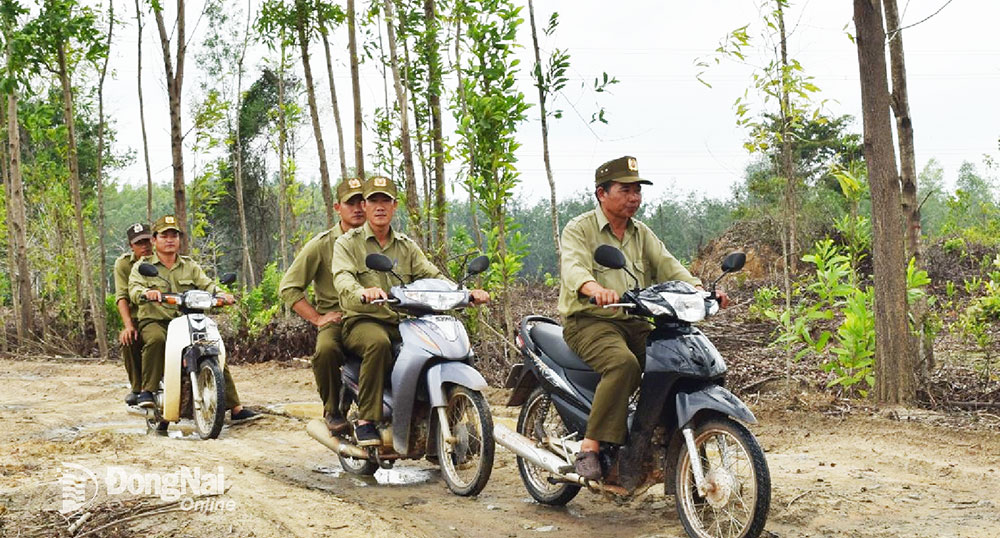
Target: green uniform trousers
(371, 340)
(154, 338)
(616, 349)
(326, 363)
(132, 358)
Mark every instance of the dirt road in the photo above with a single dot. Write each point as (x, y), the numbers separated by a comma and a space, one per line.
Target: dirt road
(859, 476)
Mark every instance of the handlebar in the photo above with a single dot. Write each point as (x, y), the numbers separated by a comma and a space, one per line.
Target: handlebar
(379, 301)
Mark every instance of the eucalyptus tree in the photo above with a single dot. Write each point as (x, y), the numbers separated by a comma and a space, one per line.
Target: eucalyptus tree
(99, 179)
(329, 17)
(352, 48)
(142, 112)
(14, 79)
(66, 34)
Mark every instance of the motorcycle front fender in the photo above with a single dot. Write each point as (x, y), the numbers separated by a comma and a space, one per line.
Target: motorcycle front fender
(458, 373)
(715, 398)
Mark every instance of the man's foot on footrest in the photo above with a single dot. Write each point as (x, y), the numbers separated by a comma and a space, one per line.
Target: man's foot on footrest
(335, 423)
(132, 398)
(367, 434)
(145, 399)
(588, 465)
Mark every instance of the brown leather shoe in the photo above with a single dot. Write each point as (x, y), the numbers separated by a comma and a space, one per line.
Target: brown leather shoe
(588, 465)
(335, 423)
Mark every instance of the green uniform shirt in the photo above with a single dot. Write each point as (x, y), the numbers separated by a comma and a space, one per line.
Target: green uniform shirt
(313, 264)
(183, 276)
(645, 256)
(351, 276)
(123, 268)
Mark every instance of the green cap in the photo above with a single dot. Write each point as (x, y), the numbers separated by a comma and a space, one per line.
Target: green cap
(349, 188)
(623, 170)
(380, 184)
(166, 222)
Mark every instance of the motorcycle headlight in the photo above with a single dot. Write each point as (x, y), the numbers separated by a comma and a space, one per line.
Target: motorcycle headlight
(198, 300)
(437, 300)
(689, 307)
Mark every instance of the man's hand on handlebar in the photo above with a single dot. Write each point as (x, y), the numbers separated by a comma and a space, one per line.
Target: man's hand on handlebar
(722, 298)
(227, 298)
(598, 294)
(153, 295)
(370, 294)
(478, 296)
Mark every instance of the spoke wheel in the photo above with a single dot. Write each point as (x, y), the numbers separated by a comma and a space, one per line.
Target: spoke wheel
(738, 485)
(538, 421)
(466, 463)
(210, 406)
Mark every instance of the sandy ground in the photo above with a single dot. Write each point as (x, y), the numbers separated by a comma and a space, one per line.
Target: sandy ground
(860, 475)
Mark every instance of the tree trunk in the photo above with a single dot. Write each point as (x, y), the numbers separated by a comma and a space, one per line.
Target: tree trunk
(16, 218)
(142, 117)
(282, 180)
(96, 309)
(333, 100)
(473, 217)
(324, 172)
(894, 367)
(412, 198)
(786, 159)
(247, 277)
(175, 81)
(11, 264)
(553, 208)
(100, 154)
(352, 46)
(434, 73)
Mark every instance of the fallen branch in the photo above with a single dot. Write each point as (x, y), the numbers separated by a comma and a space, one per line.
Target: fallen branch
(130, 518)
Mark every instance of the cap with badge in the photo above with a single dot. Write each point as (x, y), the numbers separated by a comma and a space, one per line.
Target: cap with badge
(379, 184)
(137, 232)
(166, 222)
(623, 170)
(349, 188)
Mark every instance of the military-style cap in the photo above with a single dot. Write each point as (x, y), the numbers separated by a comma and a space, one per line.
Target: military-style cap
(137, 232)
(623, 170)
(380, 184)
(349, 188)
(166, 222)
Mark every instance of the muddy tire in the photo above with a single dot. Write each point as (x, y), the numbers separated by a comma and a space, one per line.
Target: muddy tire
(210, 410)
(734, 467)
(466, 464)
(532, 425)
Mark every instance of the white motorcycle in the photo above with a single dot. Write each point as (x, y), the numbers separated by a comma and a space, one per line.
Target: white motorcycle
(193, 361)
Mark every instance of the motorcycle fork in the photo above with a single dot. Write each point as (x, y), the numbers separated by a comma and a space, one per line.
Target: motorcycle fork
(696, 470)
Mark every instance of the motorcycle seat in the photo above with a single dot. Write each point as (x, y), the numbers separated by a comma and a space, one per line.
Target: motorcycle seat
(549, 338)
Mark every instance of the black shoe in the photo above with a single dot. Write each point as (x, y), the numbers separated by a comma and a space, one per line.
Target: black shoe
(161, 428)
(132, 398)
(367, 434)
(146, 400)
(588, 465)
(335, 423)
(244, 415)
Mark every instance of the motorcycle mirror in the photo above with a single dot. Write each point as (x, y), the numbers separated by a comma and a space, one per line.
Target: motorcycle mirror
(228, 278)
(734, 262)
(148, 269)
(609, 257)
(378, 262)
(478, 265)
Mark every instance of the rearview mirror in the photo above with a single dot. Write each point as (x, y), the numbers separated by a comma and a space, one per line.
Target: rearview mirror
(609, 257)
(228, 278)
(378, 262)
(734, 262)
(148, 269)
(478, 265)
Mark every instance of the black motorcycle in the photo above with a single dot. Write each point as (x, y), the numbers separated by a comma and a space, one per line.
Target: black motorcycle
(681, 408)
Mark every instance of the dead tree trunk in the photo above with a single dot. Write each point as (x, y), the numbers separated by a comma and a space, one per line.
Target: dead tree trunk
(175, 82)
(352, 46)
(894, 366)
(324, 172)
(96, 309)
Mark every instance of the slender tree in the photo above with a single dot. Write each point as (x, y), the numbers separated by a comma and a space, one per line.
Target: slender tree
(434, 90)
(100, 151)
(894, 366)
(302, 25)
(142, 114)
(352, 47)
(248, 275)
(329, 17)
(173, 68)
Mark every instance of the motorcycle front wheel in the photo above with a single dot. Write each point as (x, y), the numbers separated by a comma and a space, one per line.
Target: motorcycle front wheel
(738, 484)
(539, 421)
(467, 460)
(210, 406)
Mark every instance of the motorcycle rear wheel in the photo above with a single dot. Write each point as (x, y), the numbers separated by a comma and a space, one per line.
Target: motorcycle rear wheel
(532, 425)
(355, 465)
(210, 409)
(466, 464)
(734, 467)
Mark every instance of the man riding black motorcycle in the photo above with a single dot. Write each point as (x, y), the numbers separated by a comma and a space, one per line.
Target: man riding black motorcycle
(611, 341)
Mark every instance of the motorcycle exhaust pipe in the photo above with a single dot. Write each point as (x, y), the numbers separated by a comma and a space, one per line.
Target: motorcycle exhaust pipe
(539, 457)
(318, 431)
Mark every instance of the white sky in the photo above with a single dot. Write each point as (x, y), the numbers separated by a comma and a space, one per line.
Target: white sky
(683, 133)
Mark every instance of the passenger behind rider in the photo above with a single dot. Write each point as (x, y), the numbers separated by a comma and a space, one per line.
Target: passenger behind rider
(140, 241)
(177, 274)
(313, 265)
(370, 330)
(611, 341)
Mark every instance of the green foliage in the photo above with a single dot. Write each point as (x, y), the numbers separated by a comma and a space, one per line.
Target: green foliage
(854, 350)
(981, 319)
(254, 310)
(763, 302)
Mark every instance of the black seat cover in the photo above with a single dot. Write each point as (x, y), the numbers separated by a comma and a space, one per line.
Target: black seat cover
(549, 337)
